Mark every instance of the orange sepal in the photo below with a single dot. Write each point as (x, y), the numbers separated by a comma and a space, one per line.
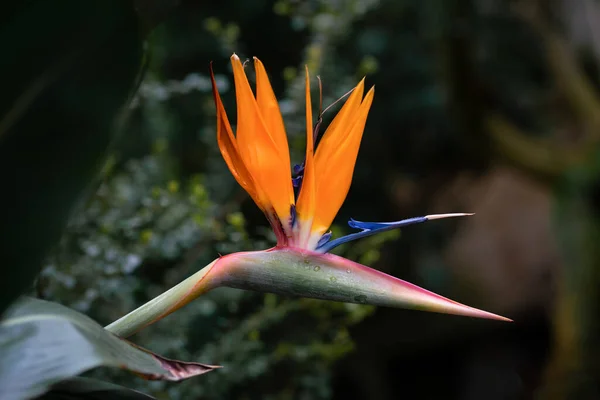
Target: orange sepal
(228, 146)
(336, 157)
(306, 205)
(269, 110)
(259, 151)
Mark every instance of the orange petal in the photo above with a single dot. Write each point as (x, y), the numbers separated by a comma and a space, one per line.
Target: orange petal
(269, 109)
(228, 146)
(260, 153)
(336, 157)
(339, 127)
(305, 208)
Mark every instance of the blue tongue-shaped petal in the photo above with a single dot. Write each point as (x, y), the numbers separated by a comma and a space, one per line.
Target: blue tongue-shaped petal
(324, 239)
(298, 169)
(379, 226)
(372, 228)
(297, 181)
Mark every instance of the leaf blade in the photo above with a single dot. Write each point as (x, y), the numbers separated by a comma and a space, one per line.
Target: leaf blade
(43, 343)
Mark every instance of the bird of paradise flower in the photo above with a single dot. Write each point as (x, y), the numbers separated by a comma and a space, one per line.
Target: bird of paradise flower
(299, 265)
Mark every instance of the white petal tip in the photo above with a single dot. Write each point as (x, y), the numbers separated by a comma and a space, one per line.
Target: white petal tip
(451, 215)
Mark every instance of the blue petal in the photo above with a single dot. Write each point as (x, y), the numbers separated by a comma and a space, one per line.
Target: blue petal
(368, 229)
(324, 239)
(297, 181)
(298, 168)
(384, 225)
(293, 215)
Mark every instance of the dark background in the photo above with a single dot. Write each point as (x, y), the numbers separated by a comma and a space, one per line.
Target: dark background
(485, 106)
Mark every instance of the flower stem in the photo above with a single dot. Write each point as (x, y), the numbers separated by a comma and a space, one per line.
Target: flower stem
(164, 304)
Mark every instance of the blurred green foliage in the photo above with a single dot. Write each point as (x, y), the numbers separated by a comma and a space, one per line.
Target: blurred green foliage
(461, 87)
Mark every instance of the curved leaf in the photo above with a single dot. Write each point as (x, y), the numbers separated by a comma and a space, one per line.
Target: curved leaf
(43, 343)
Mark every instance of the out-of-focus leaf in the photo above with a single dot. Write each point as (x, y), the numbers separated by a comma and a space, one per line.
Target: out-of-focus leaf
(71, 69)
(91, 389)
(43, 343)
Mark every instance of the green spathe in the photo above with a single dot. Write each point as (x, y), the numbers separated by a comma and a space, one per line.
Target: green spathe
(295, 272)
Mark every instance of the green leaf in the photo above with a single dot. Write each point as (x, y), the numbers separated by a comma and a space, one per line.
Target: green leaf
(43, 343)
(91, 389)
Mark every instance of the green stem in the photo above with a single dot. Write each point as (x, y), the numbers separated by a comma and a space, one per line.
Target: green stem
(164, 304)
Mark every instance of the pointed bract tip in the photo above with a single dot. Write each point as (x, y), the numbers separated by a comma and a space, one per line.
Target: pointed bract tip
(234, 57)
(330, 277)
(450, 215)
(477, 313)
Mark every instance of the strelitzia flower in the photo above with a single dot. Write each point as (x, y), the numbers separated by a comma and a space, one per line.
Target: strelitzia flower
(258, 157)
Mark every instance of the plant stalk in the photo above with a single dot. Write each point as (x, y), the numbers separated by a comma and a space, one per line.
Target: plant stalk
(164, 304)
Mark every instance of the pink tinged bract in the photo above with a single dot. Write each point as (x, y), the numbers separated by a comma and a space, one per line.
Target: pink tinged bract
(295, 272)
(303, 273)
